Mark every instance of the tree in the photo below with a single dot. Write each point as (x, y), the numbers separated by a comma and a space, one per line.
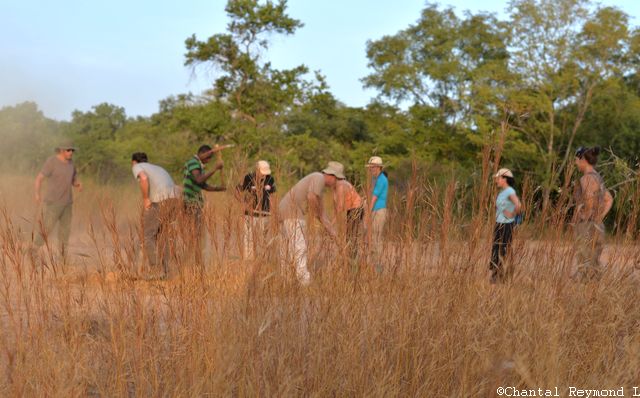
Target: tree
(94, 133)
(27, 136)
(455, 73)
(561, 50)
(256, 94)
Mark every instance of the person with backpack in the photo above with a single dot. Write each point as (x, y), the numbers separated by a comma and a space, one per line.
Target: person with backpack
(593, 202)
(508, 207)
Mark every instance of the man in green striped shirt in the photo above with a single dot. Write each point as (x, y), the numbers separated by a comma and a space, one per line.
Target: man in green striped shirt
(195, 178)
(194, 181)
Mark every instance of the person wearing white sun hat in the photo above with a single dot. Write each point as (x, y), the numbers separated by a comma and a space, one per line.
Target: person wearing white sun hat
(507, 208)
(256, 193)
(377, 209)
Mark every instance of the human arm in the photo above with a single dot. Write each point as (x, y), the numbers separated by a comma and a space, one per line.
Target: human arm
(143, 181)
(375, 193)
(38, 187)
(270, 187)
(340, 206)
(76, 182)
(517, 206)
(317, 209)
(201, 178)
(213, 188)
(590, 189)
(606, 206)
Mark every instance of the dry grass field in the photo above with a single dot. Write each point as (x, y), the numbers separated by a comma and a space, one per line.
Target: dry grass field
(429, 326)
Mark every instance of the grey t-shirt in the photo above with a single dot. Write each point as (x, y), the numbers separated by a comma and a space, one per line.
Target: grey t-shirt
(295, 203)
(60, 176)
(161, 184)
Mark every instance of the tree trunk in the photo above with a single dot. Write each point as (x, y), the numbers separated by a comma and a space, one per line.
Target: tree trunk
(546, 189)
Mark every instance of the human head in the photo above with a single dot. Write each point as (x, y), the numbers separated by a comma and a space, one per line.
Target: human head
(504, 178)
(204, 153)
(333, 172)
(139, 157)
(587, 157)
(375, 165)
(66, 150)
(263, 168)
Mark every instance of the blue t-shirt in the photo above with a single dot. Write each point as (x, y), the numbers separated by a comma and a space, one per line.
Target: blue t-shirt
(380, 189)
(504, 203)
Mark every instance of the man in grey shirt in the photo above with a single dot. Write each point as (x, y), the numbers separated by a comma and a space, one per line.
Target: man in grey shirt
(61, 176)
(159, 197)
(306, 197)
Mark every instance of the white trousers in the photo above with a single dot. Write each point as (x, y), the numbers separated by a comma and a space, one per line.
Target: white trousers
(253, 235)
(295, 245)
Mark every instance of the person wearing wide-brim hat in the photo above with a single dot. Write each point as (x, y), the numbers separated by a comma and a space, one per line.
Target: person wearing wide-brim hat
(377, 209)
(507, 208)
(61, 177)
(255, 193)
(303, 198)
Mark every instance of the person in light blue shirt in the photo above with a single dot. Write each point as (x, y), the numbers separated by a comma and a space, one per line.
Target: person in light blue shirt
(507, 208)
(377, 209)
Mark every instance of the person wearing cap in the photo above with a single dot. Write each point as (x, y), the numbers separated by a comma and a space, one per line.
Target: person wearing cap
(377, 210)
(302, 199)
(507, 207)
(61, 176)
(160, 201)
(259, 186)
(349, 213)
(593, 202)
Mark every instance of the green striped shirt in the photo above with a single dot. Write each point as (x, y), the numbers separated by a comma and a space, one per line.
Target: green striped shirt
(192, 192)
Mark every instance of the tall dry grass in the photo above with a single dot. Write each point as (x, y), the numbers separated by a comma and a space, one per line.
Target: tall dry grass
(430, 325)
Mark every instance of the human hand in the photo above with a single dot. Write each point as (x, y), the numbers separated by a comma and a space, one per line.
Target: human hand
(78, 186)
(147, 203)
(219, 164)
(37, 198)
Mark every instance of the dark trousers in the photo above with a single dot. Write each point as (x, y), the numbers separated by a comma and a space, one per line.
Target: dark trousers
(194, 231)
(502, 235)
(158, 234)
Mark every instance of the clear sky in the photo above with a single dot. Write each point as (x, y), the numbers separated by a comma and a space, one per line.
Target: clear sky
(73, 54)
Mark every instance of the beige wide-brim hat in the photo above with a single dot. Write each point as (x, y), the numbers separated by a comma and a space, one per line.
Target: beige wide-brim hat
(375, 161)
(504, 173)
(263, 167)
(335, 169)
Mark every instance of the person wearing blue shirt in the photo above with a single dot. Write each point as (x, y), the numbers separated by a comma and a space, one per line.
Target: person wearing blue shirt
(377, 209)
(507, 208)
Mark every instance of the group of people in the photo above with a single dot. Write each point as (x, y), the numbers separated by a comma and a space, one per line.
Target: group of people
(161, 197)
(357, 217)
(593, 201)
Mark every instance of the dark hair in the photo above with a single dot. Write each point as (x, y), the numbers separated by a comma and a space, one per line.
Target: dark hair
(139, 157)
(588, 154)
(510, 180)
(203, 149)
